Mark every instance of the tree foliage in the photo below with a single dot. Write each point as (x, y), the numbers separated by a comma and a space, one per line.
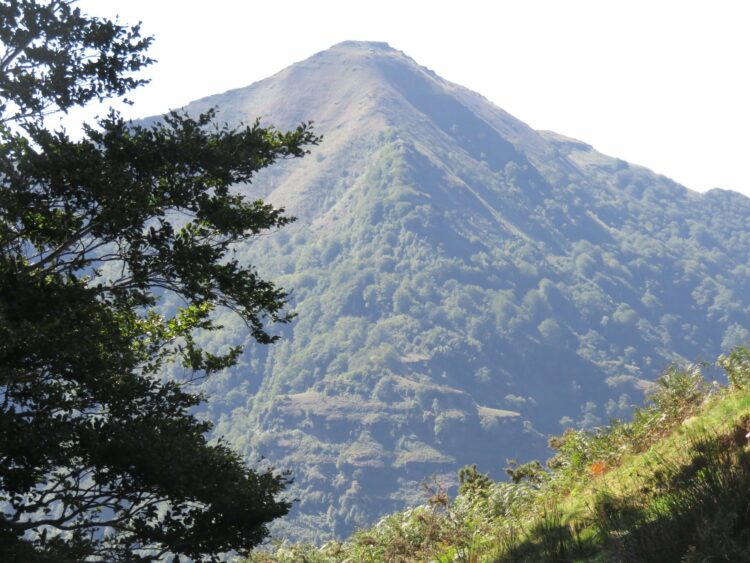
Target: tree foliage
(100, 456)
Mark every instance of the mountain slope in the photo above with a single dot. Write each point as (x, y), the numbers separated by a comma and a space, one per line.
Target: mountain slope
(669, 485)
(465, 286)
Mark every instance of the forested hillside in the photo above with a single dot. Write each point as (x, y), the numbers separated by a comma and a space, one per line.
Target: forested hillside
(464, 286)
(670, 485)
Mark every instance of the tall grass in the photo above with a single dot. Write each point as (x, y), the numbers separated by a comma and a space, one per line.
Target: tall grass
(694, 506)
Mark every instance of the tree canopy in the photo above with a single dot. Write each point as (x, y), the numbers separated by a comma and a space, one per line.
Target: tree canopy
(101, 457)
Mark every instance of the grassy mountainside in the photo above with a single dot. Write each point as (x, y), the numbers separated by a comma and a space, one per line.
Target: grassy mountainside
(460, 280)
(673, 484)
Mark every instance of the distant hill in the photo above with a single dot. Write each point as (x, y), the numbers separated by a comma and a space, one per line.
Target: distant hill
(465, 286)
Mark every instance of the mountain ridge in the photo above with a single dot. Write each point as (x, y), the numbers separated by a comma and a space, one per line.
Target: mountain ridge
(465, 286)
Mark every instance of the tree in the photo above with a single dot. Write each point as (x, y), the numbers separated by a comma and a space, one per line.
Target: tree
(101, 458)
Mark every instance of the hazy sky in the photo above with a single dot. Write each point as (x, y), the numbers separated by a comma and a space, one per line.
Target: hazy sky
(661, 83)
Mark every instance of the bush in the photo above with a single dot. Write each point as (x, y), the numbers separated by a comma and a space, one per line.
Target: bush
(736, 365)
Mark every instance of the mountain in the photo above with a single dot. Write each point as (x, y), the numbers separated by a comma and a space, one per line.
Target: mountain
(465, 286)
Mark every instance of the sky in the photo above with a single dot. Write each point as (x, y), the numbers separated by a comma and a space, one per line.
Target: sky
(660, 83)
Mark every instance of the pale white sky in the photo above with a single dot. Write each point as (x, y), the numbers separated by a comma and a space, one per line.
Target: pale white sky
(661, 83)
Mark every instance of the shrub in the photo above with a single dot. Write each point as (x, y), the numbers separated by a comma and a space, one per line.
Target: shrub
(736, 365)
(678, 391)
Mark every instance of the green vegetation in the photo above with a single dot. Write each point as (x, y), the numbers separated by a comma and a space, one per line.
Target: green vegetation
(448, 301)
(460, 280)
(671, 485)
(101, 457)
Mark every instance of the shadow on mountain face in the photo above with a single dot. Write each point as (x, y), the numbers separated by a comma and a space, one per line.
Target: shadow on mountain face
(474, 135)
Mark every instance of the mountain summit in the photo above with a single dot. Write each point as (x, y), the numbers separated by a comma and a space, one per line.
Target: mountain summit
(465, 286)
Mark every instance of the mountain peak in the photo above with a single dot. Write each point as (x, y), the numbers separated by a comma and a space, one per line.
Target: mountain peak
(359, 52)
(357, 45)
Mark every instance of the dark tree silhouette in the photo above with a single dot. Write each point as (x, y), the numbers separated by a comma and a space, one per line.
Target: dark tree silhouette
(100, 457)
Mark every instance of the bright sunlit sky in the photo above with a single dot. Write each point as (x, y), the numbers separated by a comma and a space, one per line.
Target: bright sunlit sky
(661, 83)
